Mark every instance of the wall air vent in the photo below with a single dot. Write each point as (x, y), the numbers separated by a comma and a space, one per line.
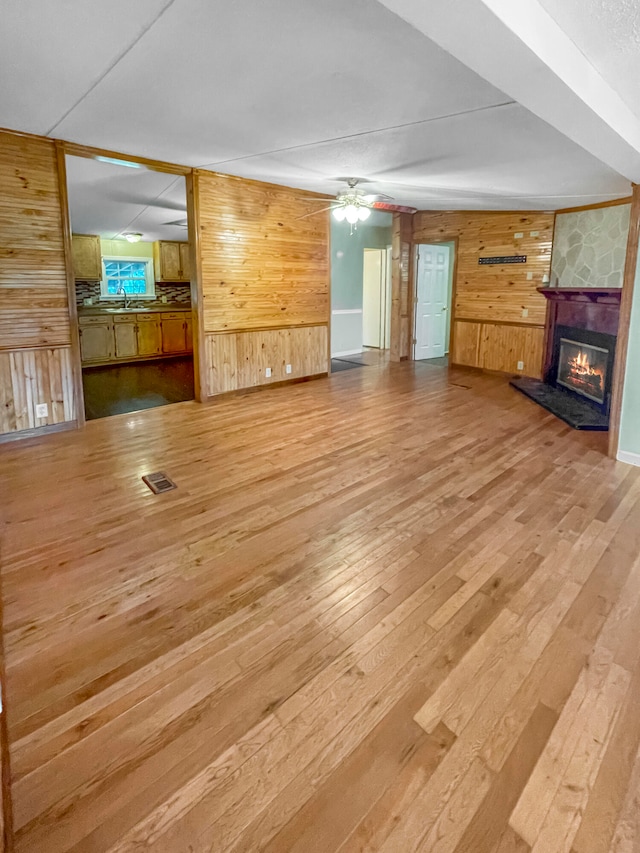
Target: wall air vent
(159, 482)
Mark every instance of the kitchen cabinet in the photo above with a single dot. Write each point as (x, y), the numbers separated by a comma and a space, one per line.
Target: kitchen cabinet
(149, 334)
(87, 257)
(125, 336)
(189, 332)
(171, 261)
(174, 332)
(96, 339)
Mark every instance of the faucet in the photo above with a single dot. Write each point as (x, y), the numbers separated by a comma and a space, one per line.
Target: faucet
(125, 295)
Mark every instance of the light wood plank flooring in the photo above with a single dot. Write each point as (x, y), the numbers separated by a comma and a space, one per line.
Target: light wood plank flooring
(392, 610)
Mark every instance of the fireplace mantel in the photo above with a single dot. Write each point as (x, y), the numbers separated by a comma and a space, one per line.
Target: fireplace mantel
(602, 295)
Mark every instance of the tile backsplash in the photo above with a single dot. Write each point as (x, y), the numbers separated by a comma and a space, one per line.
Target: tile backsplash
(174, 293)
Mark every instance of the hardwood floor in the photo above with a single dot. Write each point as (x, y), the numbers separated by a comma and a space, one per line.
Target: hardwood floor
(393, 610)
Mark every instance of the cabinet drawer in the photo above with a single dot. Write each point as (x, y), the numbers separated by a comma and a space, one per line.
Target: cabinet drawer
(147, 318)
(174, 315)
(124, 318)
(100, 319)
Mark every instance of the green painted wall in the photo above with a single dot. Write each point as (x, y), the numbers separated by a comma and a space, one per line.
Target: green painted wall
(630, 424)
(346, 256)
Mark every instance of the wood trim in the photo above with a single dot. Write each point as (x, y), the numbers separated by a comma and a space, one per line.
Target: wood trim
(76, 364)
(500, 323)
(263, 185)
(5, 755)
(622, 344)
(37, 432)
(613, 203)
(77, 150)
(197, 314)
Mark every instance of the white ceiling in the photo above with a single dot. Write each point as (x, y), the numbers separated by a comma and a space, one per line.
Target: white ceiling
(608, 32)
(107, 199)
(291, 91)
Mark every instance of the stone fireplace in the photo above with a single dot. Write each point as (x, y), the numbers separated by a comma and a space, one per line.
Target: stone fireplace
(580, 342)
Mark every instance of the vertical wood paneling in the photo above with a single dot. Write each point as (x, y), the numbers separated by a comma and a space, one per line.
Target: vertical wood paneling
(401, 288)
(495, 295)
(499, 346)
(35, 332)
(239, 359)
(28, 377)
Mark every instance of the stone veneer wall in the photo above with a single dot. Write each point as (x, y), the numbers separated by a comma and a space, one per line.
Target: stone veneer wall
(589, 247)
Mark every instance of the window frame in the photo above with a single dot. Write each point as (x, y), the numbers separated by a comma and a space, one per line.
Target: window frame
(149, 277)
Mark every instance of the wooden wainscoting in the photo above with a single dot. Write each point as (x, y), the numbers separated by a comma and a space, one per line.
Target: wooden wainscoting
(35, 333)
(239, 359)
(31, 376)
(499, 346)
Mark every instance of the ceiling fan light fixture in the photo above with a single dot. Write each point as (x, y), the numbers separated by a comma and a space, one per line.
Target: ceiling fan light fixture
(363, 213)
(351, 214)
(132, 237)
(338, 213)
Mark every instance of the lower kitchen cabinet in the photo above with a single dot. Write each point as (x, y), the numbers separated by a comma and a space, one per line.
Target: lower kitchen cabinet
(96, 340)
(126, 338)
(149, 335)
(106, 339)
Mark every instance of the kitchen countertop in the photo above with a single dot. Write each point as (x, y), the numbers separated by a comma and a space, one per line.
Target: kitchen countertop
(89, 310)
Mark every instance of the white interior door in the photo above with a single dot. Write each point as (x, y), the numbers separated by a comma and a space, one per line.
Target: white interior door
(432, 295)
(373, 298)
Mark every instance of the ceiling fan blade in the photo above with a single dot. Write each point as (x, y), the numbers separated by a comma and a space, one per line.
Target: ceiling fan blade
(373, 197)
(393, 208)
(315, 212)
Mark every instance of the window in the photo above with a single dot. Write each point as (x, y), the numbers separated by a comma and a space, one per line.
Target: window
(133, 276)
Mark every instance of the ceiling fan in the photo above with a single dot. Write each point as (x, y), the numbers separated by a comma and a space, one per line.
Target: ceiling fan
(355, 205)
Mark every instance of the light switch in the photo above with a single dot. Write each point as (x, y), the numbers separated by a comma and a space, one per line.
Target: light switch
(529, 276)
(534, 234)
(525, 312)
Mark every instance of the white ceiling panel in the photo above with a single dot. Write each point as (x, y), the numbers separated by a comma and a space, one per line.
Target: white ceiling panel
(213, 81)
(53, 51)
(500, 158)
(608, 33)
(106, 199)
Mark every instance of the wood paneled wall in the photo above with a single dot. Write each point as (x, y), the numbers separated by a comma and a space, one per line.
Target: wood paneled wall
(264, 267)
(239, 359)
(490, 330)
(401, 288)
(35, 336)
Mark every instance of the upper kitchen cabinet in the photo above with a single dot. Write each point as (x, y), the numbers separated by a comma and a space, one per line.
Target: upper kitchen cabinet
(87, 257)
(171, 261)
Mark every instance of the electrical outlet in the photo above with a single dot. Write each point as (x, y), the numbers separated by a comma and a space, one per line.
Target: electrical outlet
(267, 372)
(521, 365)
(529, 276)
(519, 235)
(534, 234)
(42, 410)
(525, 312)
(288, 368)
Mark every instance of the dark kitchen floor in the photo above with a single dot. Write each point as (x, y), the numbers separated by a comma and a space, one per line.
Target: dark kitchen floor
(117, 389)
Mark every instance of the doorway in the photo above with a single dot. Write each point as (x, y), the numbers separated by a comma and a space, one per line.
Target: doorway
(434, 286)
(376, 298)
(132, 269)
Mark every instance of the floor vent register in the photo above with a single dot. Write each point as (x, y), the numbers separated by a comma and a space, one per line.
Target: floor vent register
(159, 482)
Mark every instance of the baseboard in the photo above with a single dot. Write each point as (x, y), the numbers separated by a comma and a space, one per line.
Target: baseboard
(629, 458)
(37, 432)
(346, 352)
(252, 389)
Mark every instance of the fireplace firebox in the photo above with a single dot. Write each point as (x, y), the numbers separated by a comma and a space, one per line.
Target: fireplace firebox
(582, 365)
